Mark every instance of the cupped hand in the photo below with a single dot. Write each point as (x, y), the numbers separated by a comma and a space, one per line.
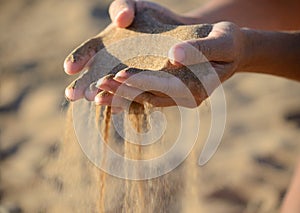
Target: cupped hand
(223, 48)
(122, 14)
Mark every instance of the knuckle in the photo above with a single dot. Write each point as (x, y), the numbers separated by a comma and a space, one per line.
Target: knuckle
(146, 97)
(198, 102)
(154, 101)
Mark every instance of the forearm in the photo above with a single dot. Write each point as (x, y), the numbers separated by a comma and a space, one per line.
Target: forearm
(275, 53)
(256, 14)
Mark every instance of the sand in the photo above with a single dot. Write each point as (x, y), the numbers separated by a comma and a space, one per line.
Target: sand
(249, 173)
(167, 192)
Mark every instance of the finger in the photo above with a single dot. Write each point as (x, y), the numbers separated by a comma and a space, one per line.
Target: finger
(105, 98)
(77, 89)
(211, 48)
(192, 51)
(157, 101)
(154, 100)
(91, 92)
(75, 62)
(127, 73)
(108, 83)
(121, 92)
(158, 82)
(128, 95)
(122, 12)
(140, 96)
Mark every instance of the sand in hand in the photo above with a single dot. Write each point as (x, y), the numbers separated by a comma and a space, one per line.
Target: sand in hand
(172, 192)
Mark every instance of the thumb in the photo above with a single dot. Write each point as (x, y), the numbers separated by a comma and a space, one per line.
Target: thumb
(122, 12)
(199, 50)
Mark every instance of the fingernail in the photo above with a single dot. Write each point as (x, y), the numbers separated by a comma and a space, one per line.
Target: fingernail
(120, 74)
(93, 87)
(68, 65)
(101, 98)
(69, 94)
(119, 14)
(126, 73)
(105, 85)
(91, 92)
(98, 99)
(72, 64)
(99, 82)
(177, 54)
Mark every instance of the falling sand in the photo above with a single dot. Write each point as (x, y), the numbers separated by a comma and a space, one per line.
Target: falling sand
(176, 191)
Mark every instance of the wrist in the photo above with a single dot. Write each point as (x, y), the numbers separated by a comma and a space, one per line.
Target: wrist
(271, 52)
(246, 50)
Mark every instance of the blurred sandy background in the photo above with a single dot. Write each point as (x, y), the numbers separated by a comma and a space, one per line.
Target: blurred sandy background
(249, 173)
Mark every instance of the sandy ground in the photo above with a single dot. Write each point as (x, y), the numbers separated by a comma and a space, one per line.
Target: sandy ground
(249, 173)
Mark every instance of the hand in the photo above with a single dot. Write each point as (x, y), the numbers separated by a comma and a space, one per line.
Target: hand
(122, 13)
(223, 48)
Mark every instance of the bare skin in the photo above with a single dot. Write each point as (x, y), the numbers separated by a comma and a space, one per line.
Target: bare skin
(262, 36)
(147, 21)
(291, 201)
(78, 58)
(231, 49)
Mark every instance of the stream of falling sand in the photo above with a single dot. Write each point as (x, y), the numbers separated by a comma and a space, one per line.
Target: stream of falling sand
(105, 133)
(167, 193)
(176, 191)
